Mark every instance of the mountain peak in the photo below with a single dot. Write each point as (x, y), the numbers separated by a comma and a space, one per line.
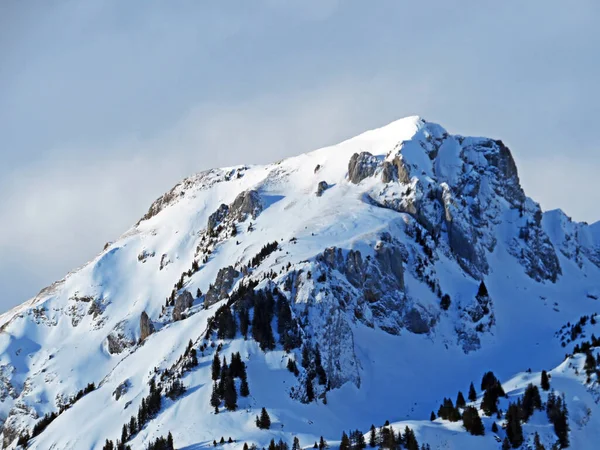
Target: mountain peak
(330, 278)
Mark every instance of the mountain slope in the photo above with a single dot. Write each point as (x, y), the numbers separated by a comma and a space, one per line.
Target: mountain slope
(366, 238)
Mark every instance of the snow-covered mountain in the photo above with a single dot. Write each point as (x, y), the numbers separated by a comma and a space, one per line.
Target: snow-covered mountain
(360, 283)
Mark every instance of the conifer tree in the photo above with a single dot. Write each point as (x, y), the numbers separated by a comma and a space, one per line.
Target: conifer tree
(292, 367)
(590, 363)
(445, 302)
(305, 356)
(124, 434)
(345, 442)
(384, 436)
(229, 395)
(489, 403)
(132, 426)
(556, 409)
(244, 322)
(372, 437)
(472, 393)
(447, 411)
(296, 444)
(482, 291)
(472, 422)
(264, 421)
(432, 417)
(460, 400)
(357, 440)
(505, 444)
(323, 444)
(488, 380)
(216, 367)
(310, 393)
(545, 381)
(514, 431)
(494, 427)
(215, 399)
(410, 440)
(244, 389)
(531, 401)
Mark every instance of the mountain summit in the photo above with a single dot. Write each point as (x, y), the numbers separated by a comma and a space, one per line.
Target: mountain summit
(352, 285)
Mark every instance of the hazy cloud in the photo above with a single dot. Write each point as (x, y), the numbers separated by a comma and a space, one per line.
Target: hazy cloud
(105, 105)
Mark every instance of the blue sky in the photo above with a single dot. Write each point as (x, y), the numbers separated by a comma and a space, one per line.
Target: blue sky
(104, 105)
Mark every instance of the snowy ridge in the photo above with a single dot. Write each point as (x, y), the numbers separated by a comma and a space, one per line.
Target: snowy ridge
(378, 245)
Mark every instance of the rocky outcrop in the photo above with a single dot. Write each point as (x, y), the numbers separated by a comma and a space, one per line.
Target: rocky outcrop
(389, 259)
(223, 283)
(388, 172)
(402, 171)
(380, 282)
(362, 165)
(144, 255)
(146, 326)
(246, 204)
(121, 389)
(477, 318)
(462, 240)
(217, 217)
(182, 302)
(118, 339)
(536, 253)
(164, 261)
(507, 173)
(415, 323)
(160, 203)
(321, 187)
(116, 344)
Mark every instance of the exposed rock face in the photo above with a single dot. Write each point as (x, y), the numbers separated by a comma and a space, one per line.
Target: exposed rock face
(223, 284)
(478, 317)
(362, 165)
(388, 172)
(246, 204)
(462, 240)
(537, 255)
(146, 326)
(164, 261)
(380, 280)
(576, 241)
(457, 195)
(121, 389)
(182, 302)
(321, 187)
(217, 217)
(402, 171)
(389, 258)
(119, 339)
(503, 161)
(415, 323)
(337, 348)
(116, 344)
(160, 203)
(144, 255)
(10, 432)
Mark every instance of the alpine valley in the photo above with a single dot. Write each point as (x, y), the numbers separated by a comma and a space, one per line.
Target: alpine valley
(398, 290)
